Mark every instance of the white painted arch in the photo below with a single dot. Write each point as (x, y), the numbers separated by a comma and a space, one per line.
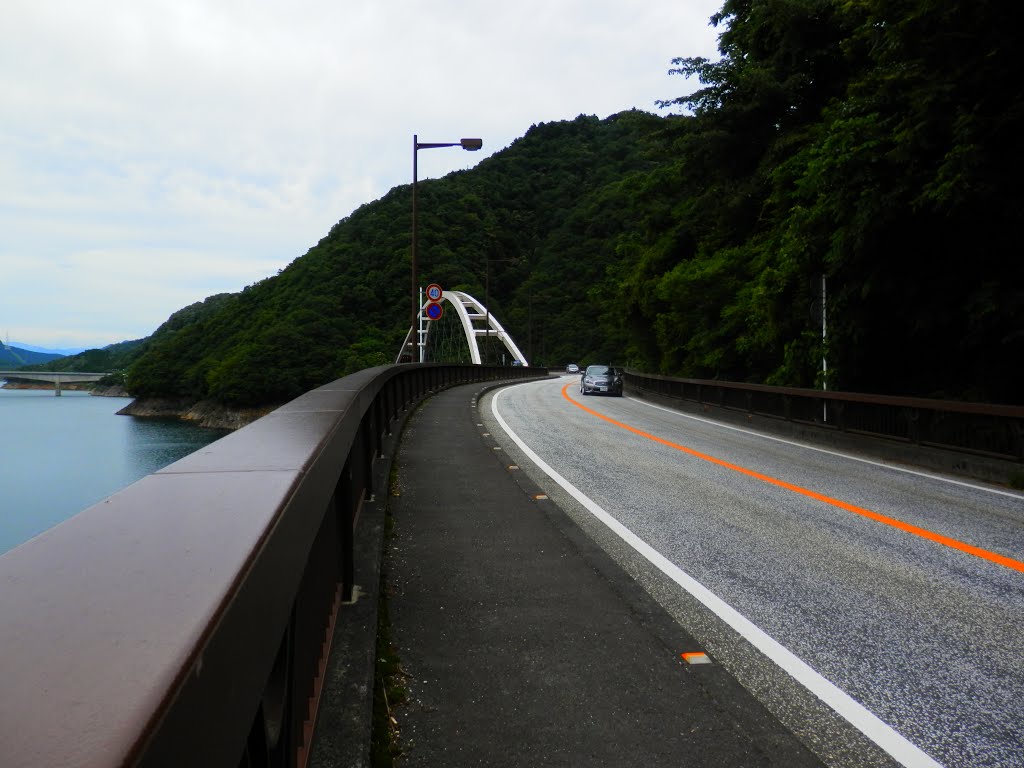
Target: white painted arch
(476, 322)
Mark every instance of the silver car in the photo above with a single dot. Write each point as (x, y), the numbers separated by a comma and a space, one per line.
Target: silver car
(572, 368)
(603, 379)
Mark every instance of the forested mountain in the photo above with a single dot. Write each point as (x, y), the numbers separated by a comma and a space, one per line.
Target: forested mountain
(544, 212)
(113, 357)
(875, 144)
(117, 358)
(12, 357)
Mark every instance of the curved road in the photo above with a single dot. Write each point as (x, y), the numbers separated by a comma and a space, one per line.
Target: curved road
(877, 610)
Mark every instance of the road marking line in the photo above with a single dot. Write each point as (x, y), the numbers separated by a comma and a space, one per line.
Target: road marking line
(818, 449)
(924, 533)
(899, 747)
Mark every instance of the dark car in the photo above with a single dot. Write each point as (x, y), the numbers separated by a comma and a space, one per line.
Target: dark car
(603, 379)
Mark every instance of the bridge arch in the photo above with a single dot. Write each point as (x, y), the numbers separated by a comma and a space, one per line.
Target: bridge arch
(476, 321)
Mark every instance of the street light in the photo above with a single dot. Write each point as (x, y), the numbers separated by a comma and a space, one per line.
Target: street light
(471, 145)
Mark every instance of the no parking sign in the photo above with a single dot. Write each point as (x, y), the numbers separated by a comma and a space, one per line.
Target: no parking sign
(434, 311)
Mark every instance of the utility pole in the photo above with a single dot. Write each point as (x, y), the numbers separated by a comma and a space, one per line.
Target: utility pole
(824, 359)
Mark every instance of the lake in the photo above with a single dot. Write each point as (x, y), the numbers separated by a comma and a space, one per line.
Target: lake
(59, 455)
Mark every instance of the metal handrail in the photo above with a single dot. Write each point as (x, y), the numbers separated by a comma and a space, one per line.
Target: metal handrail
(183, 620)
(982, 429)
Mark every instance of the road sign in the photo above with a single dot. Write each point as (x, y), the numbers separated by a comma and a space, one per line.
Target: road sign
(434, 292)
(434, 311)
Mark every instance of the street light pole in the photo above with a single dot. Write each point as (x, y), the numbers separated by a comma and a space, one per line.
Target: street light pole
(470, 145)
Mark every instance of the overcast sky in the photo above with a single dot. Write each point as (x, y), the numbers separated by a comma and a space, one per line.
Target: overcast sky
(156, 152)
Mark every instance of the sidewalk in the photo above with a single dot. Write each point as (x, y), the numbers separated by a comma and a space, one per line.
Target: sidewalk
(527, 645)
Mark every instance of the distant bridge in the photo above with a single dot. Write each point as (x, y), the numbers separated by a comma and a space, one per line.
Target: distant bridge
(54, 377)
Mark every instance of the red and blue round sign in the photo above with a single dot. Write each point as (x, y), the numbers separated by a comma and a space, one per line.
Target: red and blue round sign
(434, 311)
(434, 292)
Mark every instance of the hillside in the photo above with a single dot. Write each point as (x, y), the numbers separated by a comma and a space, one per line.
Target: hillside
(15, 357)
(111, 358)
(345, 304)
(831, 143)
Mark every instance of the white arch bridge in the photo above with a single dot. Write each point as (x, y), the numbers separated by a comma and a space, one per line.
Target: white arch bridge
(475, 322)
(53, 377)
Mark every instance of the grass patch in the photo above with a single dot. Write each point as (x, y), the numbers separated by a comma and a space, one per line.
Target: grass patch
(389, 690)
(388, 693)
(1016, 479)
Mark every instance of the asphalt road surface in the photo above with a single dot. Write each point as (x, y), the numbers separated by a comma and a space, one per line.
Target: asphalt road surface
(877, 610)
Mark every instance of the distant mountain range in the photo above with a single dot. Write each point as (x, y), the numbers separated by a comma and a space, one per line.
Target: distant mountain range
(16, 356)
(48, 351)
(113, 357)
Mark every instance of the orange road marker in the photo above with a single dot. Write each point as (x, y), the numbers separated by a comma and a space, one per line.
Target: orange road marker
(924, 533)
(695, 657)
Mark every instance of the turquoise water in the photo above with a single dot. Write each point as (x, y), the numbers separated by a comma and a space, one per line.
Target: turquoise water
(59, 455)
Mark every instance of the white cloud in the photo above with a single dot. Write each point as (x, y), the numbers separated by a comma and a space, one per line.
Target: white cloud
(152, 154)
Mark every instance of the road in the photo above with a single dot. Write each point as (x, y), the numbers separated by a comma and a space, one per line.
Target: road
(877, 610)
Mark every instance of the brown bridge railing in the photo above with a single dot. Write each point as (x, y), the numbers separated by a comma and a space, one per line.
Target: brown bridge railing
(966, 430)
(185, 620)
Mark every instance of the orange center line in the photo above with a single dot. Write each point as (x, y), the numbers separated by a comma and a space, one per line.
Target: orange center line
(924, 533)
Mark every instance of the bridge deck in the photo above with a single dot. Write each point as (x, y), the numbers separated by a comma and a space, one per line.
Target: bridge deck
(67, 377)
(523, 642)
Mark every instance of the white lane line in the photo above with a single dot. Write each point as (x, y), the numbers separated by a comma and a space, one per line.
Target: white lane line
(838, 454)
(900, 748)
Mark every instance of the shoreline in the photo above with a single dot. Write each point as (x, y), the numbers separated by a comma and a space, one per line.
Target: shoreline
(205, 413)
(44, 385)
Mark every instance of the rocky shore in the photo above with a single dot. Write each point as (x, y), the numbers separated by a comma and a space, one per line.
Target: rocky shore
(204, 413)
(76, 386)
(112, 391)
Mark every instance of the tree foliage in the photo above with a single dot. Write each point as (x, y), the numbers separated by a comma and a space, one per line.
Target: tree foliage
(113, 357)
(874, 144)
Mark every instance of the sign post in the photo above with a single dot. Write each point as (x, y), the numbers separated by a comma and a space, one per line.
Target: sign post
(432, 310)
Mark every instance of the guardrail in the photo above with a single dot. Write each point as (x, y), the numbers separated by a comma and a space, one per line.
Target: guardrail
(184, 620)
(977, 429)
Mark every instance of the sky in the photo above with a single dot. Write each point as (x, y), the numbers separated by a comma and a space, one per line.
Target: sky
(156, 152)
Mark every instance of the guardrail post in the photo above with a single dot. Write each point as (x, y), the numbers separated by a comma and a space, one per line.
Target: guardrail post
(368, 447)
(913, 420)
(345, 512)
(272, 735)
(380, 424)
(383, 406)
